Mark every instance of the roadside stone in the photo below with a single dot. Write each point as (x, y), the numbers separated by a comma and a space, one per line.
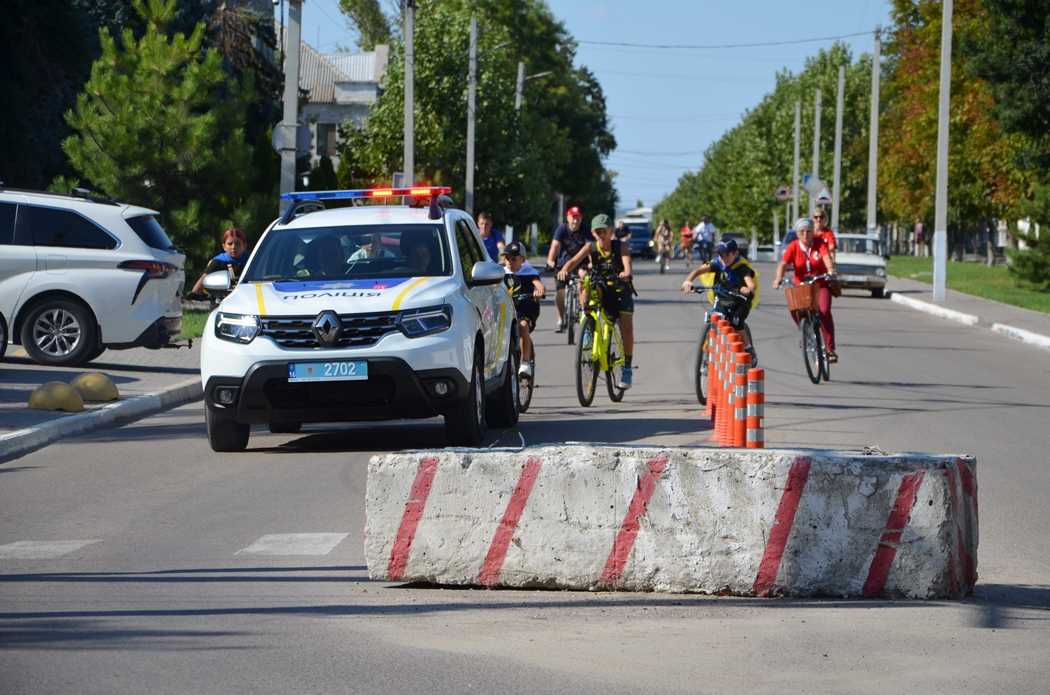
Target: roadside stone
(55, 395)
(96, 387)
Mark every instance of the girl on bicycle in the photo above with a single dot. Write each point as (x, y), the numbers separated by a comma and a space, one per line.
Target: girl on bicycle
(611, 258)
(526, 289)
(810, 256)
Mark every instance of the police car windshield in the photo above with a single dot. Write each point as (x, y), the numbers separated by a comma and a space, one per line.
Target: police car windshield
(351, 252)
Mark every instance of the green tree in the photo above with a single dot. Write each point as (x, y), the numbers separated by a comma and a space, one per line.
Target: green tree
(372, 25)
(158, 125)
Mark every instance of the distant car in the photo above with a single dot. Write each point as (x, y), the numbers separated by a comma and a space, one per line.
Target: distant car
(81, 274)
(860, 263)
(641, 234)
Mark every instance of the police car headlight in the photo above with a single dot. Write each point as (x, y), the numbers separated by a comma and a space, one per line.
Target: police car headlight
(881, 272)
(416, 323)
(238, 328)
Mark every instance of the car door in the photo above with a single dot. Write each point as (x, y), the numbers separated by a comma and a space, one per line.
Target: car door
(18, 262)
(482, 297)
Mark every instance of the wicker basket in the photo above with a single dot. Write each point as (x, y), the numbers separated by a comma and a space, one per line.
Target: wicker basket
(802, 297)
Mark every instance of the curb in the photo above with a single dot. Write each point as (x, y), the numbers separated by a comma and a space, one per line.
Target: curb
(1036, 339)
(935, 310)
(21, 442)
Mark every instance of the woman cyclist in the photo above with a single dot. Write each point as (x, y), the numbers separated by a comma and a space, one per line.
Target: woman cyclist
(526, 289)
(611, 258)
(664, 238)
(810, 256)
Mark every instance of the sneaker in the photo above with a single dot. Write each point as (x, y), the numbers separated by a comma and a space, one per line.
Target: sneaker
(560, 327)
(625, 378)
(525, 369)
(832, 357)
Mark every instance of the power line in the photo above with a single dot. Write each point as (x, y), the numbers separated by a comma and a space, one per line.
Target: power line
(684, 153)
(761, 44)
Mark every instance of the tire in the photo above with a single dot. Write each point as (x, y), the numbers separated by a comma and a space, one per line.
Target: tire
(878, 293)
(525, 386)
(225, 433)
(60, 332)
(612, 374)
(586, 369)
(571, 312)
(286, 427)
(700, 368)
(812, 349)
(465, 425)
(825, 365)
(502, 409)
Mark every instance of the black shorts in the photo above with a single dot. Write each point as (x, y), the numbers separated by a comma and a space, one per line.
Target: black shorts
(619, 301)
(527, 310)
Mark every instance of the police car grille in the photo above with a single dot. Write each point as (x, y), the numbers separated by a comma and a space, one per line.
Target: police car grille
(359, 330)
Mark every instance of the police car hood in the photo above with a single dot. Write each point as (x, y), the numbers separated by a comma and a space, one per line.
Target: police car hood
(310, 297)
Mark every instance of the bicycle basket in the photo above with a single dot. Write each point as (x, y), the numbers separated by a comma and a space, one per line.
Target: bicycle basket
(802, 297)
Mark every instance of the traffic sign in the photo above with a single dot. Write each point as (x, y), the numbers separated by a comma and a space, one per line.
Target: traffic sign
(824, 197)
(783, 193)
(813, 184)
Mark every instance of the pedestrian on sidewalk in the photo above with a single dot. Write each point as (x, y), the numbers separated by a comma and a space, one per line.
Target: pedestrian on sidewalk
(492, 238)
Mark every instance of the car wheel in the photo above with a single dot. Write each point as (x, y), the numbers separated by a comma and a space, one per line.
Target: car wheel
(225, 433)
(878, 293)
(465, 424)
(502, 410)
(286, 427)
(60, 332)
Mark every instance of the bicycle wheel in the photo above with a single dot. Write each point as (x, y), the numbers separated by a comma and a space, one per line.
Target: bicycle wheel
(525, 386)
(825, 365)
(572, 312)
(700, 368)
(586, 369)
(812, 349)
(612, 374)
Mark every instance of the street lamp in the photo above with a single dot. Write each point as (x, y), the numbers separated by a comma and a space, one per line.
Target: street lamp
(522, 79)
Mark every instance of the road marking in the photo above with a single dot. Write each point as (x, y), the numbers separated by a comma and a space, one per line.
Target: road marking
(41, 550)
(621, 550)
(509, 523)
(782, 523)
(417, 501)
(886, 550)
(294, 544)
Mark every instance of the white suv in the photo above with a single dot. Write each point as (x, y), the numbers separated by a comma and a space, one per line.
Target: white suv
(362, 313)
(80, 274)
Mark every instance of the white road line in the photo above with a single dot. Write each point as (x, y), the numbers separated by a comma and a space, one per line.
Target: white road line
(41, 550)
(294, 544)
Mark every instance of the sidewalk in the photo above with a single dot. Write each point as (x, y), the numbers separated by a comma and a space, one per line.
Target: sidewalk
(1029, 326)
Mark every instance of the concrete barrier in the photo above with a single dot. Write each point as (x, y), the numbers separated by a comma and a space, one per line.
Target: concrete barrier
(721, 521)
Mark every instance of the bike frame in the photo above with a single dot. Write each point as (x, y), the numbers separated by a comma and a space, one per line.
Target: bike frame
(604, 331)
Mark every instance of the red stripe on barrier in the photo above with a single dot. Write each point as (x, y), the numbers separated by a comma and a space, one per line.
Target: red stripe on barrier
(417, 500)
(782, 523)
(886, 549)
(621, 549)
(509, 523)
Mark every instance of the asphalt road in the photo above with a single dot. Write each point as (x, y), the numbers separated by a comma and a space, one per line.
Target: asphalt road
(178, 591)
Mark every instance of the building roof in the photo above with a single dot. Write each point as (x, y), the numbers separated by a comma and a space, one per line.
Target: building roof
(358, 67)
(319, 73)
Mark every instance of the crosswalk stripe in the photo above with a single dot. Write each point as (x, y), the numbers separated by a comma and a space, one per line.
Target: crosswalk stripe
(294, 544)
(41, 550)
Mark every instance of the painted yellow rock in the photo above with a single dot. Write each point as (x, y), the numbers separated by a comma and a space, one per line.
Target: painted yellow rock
(55, 395)
(95, 386)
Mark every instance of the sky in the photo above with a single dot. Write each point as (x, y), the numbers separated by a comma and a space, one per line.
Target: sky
(666, 106)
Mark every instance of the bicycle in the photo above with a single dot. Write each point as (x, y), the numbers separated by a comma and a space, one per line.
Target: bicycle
(724, 307)
(663, 257)
(572, 306)
(802, 303)
(600, 348)
(526, 382)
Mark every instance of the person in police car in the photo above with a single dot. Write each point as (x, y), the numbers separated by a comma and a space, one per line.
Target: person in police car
(372, 248)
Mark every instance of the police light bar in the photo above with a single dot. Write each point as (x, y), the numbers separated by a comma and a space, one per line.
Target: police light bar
(379, 193)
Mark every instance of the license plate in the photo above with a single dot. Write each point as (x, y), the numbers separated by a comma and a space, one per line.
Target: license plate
(854, 278)
(336, 370)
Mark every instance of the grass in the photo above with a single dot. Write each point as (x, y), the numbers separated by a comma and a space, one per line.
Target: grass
(193, 322)
(973, 278)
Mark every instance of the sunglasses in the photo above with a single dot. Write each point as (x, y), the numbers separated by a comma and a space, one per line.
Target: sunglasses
(818, 217)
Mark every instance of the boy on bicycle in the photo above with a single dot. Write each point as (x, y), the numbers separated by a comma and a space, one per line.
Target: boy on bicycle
(611, 258)
(526, 289)
(732, 272)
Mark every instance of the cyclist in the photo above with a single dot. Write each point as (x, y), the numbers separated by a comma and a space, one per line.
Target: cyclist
(664, 238)
(810, 256)
(569, 238)
(732, 272)
(821, 230)
(526, 289)
(611, 258)
(704, 236)
(687, 244)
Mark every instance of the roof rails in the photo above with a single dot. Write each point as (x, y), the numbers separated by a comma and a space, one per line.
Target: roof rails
(303, 202)
(81, 193)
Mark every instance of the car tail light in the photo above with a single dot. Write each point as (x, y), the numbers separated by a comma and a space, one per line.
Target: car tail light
(153, 269)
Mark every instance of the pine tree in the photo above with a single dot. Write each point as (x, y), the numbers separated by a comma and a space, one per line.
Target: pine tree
(159, 124)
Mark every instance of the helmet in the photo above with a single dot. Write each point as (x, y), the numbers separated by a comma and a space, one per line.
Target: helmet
(574, 212)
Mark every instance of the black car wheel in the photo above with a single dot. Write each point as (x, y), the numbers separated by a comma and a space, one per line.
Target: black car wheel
(60, 332)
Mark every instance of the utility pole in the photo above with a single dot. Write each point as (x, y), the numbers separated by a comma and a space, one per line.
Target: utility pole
(816, 151)
(940, 215)
(794, 177)
(873, 137)
(472, 90)
(837, 176)
(290, 120)
(410, 106)
(519, 89)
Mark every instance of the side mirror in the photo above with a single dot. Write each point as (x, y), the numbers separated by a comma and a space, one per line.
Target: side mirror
(219, 281)
(486, 273)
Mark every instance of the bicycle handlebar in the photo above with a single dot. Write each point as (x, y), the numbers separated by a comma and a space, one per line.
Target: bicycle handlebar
(811, 279)
(721, 292)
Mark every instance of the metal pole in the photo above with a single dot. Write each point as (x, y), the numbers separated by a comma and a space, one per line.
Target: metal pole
(837, 176)
(290, 119)
(873, 138)
(472, 89)
(816, 151)
(776, 234)
(940, 215)
(794, 177)
(520, 88)
(410, 110)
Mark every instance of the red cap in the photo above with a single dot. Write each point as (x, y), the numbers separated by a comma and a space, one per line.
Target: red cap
(573, 212)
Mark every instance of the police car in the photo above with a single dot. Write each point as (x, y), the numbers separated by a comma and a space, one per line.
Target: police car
(369, 312)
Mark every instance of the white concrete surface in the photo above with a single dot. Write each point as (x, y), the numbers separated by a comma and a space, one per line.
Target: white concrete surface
(1028, 337)
(935, 309)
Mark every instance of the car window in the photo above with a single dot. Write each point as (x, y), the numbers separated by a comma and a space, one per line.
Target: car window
(151, 233)
(858, 246)
(469, 251)
(54, 227)
(638, 231)
(359, 252)
(7, 223)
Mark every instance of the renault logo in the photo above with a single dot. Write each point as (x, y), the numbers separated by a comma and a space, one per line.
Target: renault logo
(328, 328)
